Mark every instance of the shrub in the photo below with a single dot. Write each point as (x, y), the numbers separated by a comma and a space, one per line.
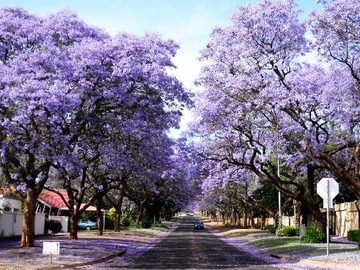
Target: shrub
(134, 224)
(257, 225)
(271, 228)
(287, 231)
(146, 224)
(54, 226)
(354, 235)
(228, 224)
(126, 222)
(313, 235)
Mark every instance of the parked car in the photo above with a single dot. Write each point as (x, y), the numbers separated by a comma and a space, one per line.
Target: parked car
(85, 224)
(198, 225)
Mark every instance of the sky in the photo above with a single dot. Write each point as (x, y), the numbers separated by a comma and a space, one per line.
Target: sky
(188, 22)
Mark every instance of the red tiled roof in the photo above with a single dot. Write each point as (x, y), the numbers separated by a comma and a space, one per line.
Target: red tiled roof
(53, 199)
(46, 196)
(5, 191)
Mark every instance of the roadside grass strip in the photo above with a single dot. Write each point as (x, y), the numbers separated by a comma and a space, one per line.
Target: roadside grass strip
(244, 232)
(152, 231)
(293, 247)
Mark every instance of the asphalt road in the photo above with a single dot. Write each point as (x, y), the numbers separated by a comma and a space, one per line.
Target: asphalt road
(186, 248)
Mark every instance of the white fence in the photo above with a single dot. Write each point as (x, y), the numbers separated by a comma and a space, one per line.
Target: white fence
(11, 223)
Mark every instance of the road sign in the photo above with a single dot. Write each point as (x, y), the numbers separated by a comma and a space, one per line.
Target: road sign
(51, 248)
(327, 188)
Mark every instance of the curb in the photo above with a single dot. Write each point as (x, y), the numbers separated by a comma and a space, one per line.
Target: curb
(69, 266)
(338, 265)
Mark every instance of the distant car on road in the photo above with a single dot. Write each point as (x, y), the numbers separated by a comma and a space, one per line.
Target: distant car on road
(85, 224)
(199, 225)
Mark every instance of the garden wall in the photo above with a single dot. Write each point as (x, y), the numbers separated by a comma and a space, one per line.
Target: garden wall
(343, 217)
(347, 217)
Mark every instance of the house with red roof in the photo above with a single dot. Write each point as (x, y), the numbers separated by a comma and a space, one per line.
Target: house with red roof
(50, 205)
(53, 204)
(48, 202)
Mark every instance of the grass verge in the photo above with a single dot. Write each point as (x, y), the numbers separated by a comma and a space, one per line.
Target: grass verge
(152, 231)
(290, 246)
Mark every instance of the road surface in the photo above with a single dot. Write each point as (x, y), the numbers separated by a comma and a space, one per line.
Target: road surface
(186, 248)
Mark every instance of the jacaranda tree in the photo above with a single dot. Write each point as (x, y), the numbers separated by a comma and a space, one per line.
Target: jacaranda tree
(264, 101)
(65, 87)
(35, 99)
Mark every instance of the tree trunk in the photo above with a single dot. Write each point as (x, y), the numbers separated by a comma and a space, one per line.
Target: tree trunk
(139, 216)
(263, 221)
(73, 227)
(99, 214)
(28, 231)
(167, 215)
(145, 215)
(246, 219)
(141, 212)
(117, 221)
(297, 207)
(234, 218)
(251, 220)
(313, 214)
(117, 204)
(157, 217)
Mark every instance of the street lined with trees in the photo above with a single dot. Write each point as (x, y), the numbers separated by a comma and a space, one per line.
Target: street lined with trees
(91, 113)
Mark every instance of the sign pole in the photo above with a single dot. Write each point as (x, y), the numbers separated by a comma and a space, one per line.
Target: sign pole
(327, 219)
(279, 195)
(327, 188)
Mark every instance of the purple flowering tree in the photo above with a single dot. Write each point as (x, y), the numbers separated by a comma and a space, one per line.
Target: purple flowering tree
(35, 100)
(337, 34)
(246, 112)
(263, 103)
(160, 182)
(127, 101)
(66, 88)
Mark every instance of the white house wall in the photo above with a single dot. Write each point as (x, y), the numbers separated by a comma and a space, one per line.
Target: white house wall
(8, 202)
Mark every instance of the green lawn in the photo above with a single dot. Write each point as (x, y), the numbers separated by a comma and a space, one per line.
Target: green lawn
(290, 246)
(293, 246)
(152, 231)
